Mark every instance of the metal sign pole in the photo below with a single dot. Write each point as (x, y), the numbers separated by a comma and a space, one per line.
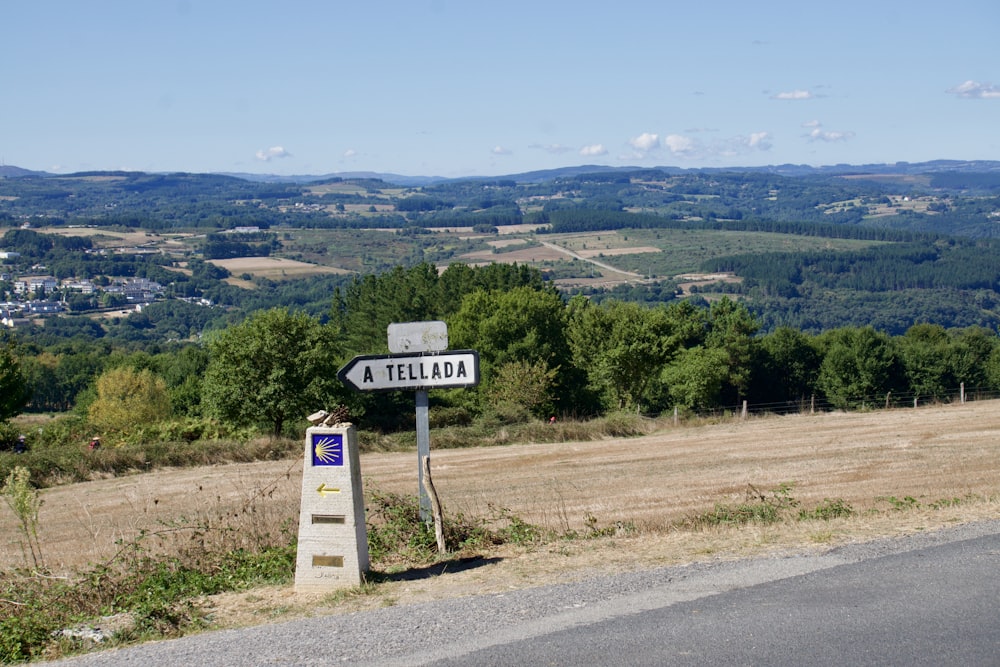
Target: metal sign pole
(418, 360)
(423, 451)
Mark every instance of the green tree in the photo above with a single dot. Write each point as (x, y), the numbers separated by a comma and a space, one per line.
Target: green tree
(520, 325)
(924, 349)
(786, 367)
(969, 355)
(109, 300)
(623, 346)
(183, 370)
(128, 399)
(524, 384)
(694, 380)
(14, 389)
(859, 368)
(365, 308)
(731, 329)
(274, 366)
(992, 370)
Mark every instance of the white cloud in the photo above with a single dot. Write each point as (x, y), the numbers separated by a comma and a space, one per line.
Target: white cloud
(759, 141)
(272, 153)
(593, 149)
(645, 142)
(684, 147)
(350, 153)
(818, 134)
(500, 150)
(680, 145)
(793, 95)
(975, 90)
(739, 145)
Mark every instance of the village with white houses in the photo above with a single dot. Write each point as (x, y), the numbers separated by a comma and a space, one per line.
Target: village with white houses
(33, 296)
(31, 291)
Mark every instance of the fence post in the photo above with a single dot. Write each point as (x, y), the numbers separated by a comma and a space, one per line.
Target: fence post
(743, 415)
(961, 393)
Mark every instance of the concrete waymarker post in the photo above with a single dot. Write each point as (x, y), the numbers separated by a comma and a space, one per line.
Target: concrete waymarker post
(333, 538)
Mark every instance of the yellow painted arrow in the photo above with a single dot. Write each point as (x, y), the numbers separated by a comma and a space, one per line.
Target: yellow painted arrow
(324, 489)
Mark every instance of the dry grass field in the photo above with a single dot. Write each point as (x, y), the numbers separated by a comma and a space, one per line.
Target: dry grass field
(110, 238)
(614, 252)
(527, 255)
(275, 268)
(901, 470)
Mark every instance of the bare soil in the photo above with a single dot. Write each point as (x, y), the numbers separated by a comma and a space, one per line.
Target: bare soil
(902, 470)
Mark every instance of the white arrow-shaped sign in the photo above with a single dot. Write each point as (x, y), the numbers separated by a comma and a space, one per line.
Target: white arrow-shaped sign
(391, 372)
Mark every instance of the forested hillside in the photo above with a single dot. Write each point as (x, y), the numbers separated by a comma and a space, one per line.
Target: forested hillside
(585, 293)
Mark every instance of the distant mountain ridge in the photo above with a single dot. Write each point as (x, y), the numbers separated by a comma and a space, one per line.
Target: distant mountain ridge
(539, 176)
(10, 171)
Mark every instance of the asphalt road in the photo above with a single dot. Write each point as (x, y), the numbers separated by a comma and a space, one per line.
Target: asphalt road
(927, 599)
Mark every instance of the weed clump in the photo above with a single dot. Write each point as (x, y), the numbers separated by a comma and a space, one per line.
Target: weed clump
(25, 502)
(830, 508)
(150, 586)
(767, 508)
(156, 594)
(397, 534)
(757, 508)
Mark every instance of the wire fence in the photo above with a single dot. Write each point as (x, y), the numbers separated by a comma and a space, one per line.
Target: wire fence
(889, 400)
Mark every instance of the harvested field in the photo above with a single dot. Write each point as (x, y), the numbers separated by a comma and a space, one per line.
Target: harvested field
(119, 238)
(274, 268)
(902, 471)
(652, 482)
(506, 243)
(506, 229)
(611, 252)
(521, 256)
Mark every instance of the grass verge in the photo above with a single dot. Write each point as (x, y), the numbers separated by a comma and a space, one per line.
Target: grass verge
(147, 591)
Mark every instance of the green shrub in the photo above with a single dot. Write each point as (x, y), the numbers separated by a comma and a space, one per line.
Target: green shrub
(758, 508)
(740, 514)
(899, 504)
(156, 592)
(506, 414)
(8, 436)
(440, 417)
(835, 508)
(24, 632)
(623, 424)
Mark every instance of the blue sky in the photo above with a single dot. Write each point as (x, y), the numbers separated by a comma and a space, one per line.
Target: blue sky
(462, 88)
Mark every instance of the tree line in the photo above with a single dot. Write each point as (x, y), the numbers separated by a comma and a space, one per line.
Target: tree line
(541, 354)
